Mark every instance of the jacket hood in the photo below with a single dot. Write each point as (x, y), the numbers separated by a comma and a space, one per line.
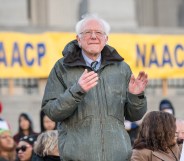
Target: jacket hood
(73, 56)
(70, 47)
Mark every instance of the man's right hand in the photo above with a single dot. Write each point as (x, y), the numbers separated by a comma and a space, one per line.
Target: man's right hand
(88, 80)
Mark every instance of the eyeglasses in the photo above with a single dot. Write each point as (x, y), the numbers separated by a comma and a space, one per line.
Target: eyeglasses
(22, 148)
(88, 33)
(179, 133)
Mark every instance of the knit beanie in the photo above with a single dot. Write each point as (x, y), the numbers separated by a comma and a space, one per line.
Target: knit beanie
(3, 126)
(29, 139)
(166, 104)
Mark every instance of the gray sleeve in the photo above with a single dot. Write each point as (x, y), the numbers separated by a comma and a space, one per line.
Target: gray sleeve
(59, 101)
(136, 105)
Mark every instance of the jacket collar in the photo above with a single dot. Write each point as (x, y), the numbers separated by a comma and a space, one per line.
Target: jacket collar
(162, 155)
(73, 55)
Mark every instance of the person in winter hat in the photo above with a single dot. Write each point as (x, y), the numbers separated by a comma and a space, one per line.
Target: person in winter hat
(7, 144)
(166, 106)
(25, 127)
(3, 123)
(25, 148)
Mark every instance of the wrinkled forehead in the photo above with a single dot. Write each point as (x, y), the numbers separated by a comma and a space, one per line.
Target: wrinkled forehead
(180, 125)
(92, 24)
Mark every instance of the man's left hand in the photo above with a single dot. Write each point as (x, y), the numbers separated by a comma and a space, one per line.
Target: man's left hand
(138, 85)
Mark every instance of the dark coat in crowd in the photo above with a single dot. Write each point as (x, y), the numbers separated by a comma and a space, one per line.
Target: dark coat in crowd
(45, 158)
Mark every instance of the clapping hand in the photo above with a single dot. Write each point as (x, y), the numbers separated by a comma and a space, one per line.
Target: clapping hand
(88, 80)
(138, 85)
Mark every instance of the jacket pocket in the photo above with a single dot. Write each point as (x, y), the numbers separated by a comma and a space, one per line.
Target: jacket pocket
(115, 95)
(78, 141)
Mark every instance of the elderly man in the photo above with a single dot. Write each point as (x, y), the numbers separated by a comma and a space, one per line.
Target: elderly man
(180, 130)
(89, 92)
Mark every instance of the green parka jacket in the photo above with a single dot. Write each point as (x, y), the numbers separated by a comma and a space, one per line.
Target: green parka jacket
(91, 125)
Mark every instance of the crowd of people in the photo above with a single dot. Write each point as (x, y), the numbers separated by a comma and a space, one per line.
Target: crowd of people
(20, 147)
(27, 145)
(90, 92)
(159, 137)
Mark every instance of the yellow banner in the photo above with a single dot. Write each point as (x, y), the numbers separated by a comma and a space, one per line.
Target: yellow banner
(161, 56)
(33, 55)
(30, 55)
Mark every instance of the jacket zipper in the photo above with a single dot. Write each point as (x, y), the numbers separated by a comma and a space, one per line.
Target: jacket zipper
(101, 123)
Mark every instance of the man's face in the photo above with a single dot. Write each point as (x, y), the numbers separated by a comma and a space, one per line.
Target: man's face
(92, 38)
(180, 130)
(6, 141)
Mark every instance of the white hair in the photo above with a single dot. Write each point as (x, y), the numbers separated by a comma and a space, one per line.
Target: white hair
(87, 17)
(46, 143)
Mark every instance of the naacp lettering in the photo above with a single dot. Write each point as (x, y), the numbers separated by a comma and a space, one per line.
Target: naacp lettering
(148, 56)
(30, 55)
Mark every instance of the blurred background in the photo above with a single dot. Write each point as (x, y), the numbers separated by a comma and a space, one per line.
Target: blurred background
(163, 17)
